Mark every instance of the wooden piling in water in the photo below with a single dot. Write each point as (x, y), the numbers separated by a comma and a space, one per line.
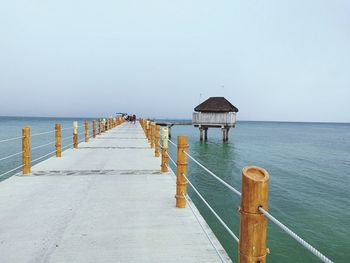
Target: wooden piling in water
(26, 150)
(157, 143)
(58, 140)
(86, 124)
(75, 134)
(165, 137)
(252, 236)
(181, 172)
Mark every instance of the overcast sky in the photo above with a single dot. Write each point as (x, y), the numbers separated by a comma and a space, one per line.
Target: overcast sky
(273, 59)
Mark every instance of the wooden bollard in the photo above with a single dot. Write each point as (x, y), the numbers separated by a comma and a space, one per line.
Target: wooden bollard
(181, 172)
(157, 143)
(106, 124)
(148, 131)
(26, 150)
(165, 150)
(153, 126)
(75, 134)
(58, 140)
(94, 129)
(86, 131)
(252, 235)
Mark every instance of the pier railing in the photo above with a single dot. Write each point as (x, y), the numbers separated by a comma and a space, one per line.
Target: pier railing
(104, 125)
(253, 207)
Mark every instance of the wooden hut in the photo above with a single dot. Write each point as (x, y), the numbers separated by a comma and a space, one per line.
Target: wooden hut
(215, 112)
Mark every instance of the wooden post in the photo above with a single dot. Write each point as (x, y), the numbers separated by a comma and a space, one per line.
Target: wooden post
(181, 172)
(99, 126)
(105, 124)
(157, 146)
(94, 129)
(165, 150)
(169, 131)
(148, 128)
(86, 131)
(153, 126)
(26, 150)
(225, 133)
(75, 134)
(58, 139)
(252, 235)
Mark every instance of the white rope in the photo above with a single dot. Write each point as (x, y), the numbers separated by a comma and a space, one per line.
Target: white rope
(205, 232)
(172, 142)
(41, 133)
(213, 211)
(69, 145)
(296, 237)
(14, 169)
(66, 138)
(189, 203)
(214, 175)
(41, 146)
(43, 156)
(11, 139)
(171, 159)
(7, 157)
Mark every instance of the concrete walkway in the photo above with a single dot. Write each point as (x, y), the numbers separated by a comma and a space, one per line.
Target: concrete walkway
(104, 202)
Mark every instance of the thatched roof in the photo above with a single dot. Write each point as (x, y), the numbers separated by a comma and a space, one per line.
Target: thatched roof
(216, 104)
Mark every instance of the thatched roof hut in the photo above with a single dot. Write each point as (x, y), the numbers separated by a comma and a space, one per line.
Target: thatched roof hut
(215, 112)
(216, 104)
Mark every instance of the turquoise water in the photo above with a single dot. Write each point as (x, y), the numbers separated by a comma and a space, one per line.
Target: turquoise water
(309, 166)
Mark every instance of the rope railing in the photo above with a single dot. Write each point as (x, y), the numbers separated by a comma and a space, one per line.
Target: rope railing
(66, 138)
(214, 175)
(43, 145)
(208, 205)
(37, 134)
(48, 154)
(26, 149)
(205, 232)
(9, 156)
(213, 211)
(11, 139)
(197, 218)
(12, 170)
(301, 241)
(42, 133)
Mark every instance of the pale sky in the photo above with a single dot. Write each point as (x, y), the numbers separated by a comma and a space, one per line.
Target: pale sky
(273, 59)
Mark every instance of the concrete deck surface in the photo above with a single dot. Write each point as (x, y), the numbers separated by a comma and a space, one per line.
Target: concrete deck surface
(104, 202)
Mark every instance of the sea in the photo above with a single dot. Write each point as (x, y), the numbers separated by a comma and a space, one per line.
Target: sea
(308, 164)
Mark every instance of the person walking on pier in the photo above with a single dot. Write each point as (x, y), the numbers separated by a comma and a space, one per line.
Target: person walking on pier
(134, 118)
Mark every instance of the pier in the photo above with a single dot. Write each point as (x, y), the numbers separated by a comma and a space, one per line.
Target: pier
(112, 197)
(104, 201)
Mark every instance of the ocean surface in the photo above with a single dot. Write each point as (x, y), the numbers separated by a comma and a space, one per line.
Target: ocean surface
(308, 163)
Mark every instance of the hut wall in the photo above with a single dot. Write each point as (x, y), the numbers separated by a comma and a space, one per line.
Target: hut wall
(227, 119)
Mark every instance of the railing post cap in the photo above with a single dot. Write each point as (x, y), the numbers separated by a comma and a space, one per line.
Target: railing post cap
(255, 173)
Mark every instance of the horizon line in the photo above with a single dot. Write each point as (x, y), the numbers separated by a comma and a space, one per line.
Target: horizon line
(281, 121)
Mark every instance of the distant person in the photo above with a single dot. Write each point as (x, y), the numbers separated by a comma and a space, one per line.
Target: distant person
(134, 118)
